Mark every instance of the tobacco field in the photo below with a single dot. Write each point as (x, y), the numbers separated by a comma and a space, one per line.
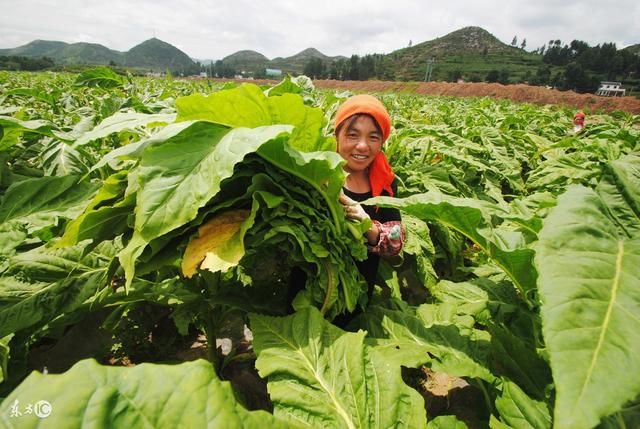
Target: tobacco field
(148, 230)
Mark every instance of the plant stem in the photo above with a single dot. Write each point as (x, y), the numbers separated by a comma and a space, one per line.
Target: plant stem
(211, 318)
(211, 333)
(330, 287)
(620, 421)
(485, 395)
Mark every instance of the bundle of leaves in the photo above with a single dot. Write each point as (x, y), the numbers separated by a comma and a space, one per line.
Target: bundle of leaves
(258, 198)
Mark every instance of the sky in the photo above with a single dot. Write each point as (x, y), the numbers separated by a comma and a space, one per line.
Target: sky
(207, 29)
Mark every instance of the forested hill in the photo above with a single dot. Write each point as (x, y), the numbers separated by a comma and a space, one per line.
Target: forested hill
(469, 50)
(152, 54)
(156, 54)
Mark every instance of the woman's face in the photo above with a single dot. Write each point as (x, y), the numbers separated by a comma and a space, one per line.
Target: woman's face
(359, 142)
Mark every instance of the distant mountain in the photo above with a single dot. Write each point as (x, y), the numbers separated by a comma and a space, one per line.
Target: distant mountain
(464, 49)
(156, 54)
(152, 54)
(297, 62)
(252, 60)
(246, 60)
(633, 49)
(457, 50)
(464, 41)
(37, 49)
(66, 53)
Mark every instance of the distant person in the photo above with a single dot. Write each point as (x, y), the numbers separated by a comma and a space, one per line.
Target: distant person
(578, 122)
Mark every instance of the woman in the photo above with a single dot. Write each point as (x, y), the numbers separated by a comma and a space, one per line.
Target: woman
(362, 125)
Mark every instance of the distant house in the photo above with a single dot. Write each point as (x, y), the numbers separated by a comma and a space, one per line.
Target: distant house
(611, 89)
(273, 72)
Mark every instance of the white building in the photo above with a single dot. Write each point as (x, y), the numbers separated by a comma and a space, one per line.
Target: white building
(273, 72)
(611, 89)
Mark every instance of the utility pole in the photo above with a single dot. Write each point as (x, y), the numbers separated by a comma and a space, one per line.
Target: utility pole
(427, 75)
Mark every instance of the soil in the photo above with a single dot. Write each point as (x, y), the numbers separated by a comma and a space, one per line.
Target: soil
(518, 92)
(447, 395)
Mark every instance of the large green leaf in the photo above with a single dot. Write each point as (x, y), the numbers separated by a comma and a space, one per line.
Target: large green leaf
(420, 245)
(590, 291)
(452, 351)
(44, 283)
(188, 395)
(59, 196)
(620, 190)
(102, 77)
(519, 411)
(180, 175)
(12, 234)
(129, 121)
(248, 106)
(472, 218)
(515, 357)
(60, 159)
(446, 422)
(135, 150)
(11, 129)
(321, 376)
(103, 219)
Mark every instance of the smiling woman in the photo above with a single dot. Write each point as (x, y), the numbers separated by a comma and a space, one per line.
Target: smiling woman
(362, 125)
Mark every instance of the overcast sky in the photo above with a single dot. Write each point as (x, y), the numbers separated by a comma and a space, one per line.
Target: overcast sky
(207, 29)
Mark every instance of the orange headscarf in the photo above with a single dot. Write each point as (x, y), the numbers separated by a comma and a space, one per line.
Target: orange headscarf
(380, 172)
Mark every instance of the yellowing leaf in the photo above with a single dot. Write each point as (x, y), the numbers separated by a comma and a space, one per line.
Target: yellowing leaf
(219, 244)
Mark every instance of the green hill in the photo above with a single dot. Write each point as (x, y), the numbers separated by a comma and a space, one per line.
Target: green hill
(296, 63)
(246, 60)
(253, 61)
(157, 55)
(469, 51)
(152, 54)
(635, 49)
(36, 49)
(89, 53)
(65, 53)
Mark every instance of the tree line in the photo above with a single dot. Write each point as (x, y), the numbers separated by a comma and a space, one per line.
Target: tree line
(576, 66)
(355, 68)
(15, 62)
(585, 66)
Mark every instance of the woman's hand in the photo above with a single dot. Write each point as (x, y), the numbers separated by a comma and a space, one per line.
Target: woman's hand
(352, 209)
